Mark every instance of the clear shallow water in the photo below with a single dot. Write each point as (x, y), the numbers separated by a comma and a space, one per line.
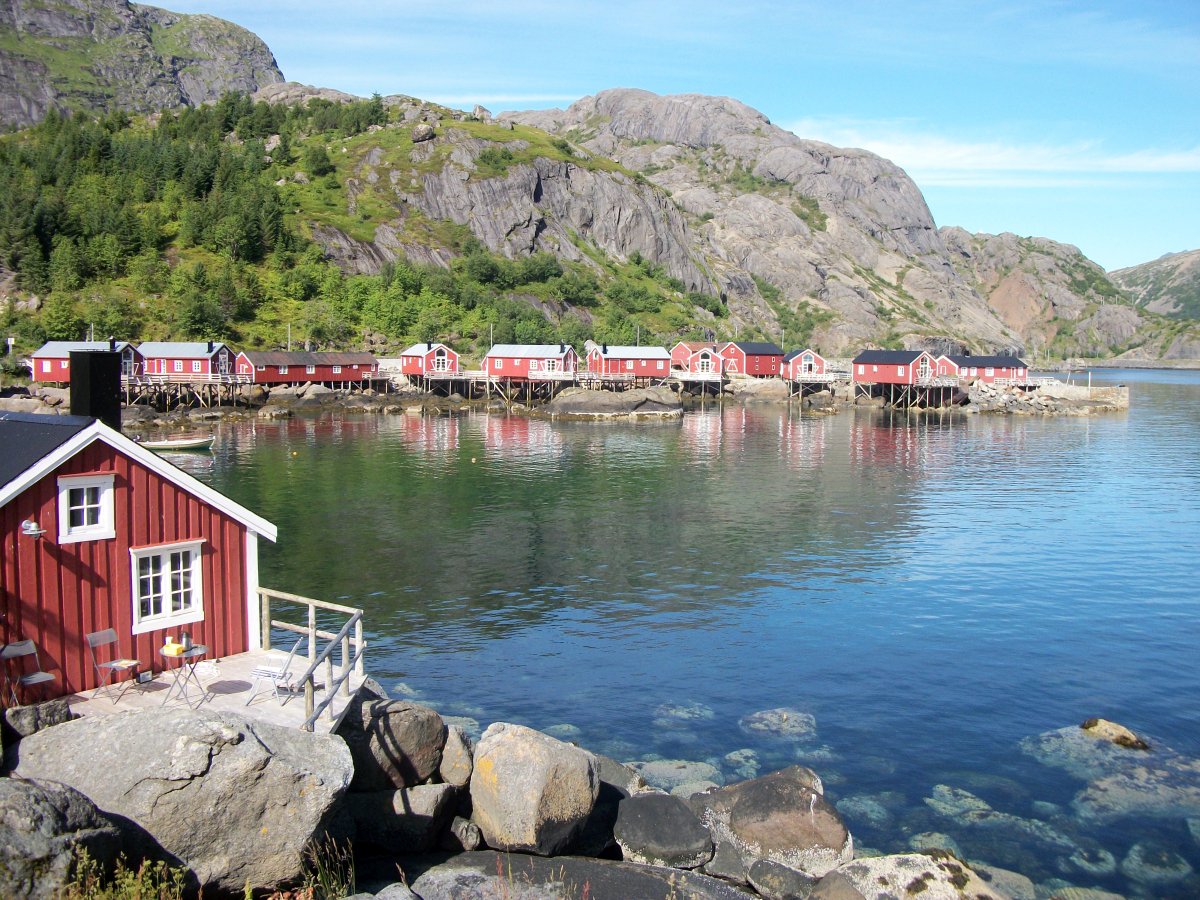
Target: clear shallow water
(931, 589)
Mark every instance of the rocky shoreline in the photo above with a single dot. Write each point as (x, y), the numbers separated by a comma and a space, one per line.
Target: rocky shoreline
(434, 813)
(654, 403)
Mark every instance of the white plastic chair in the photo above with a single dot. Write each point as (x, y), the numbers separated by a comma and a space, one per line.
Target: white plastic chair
(106, 670)
(17, 650)
(280, 677)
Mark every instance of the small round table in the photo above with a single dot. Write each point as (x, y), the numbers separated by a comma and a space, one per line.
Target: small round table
(184, 673)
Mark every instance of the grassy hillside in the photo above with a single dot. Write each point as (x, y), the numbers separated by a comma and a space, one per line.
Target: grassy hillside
(188, 227)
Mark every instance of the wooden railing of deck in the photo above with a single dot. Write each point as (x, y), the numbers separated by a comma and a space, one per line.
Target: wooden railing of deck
(350, 636)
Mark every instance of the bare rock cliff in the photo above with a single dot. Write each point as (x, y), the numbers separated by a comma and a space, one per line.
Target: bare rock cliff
(1169, 285)
(103, 54)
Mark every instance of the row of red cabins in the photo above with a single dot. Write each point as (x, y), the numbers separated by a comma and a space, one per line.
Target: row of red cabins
(519, 362)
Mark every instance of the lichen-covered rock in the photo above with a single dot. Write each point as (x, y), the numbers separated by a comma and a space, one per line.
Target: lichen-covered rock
(1103, 729)
(934, 876)
(968, 810)
(235, 800)
(395, 743)
(22, 721)
(1152, 865)
(43, 824)
(660, 830)
(782, 817)
(530, 792)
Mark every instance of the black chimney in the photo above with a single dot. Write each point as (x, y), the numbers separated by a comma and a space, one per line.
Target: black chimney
(96, 385)
(112, 344)
(604, 350)
(210, 346)
(562, 348)
(429, 345)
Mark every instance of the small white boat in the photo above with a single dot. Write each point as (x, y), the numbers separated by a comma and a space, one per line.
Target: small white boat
(195, 442)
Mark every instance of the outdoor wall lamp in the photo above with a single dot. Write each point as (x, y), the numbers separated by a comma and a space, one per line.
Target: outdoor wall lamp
(29, 528)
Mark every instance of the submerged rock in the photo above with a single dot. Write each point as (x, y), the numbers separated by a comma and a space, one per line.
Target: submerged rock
(676, 715)
(782, 722)
(934, 840)
(1094, 861)
(865, 809)
(1152, 865)
(966, 809)
(668, 774)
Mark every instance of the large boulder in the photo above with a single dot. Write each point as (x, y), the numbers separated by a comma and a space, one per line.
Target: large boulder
(457, 757)
(782, 817)
(410, 820)
(933, 876)
(43, 824)
(22, 721)
(584, 403)
(660, 830)
(530, 792)
(617, 781)
(486, 875)
(235, 800)
(395, 743)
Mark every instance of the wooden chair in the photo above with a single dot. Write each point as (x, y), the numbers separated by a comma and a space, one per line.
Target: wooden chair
(18, 651)
(106, 670)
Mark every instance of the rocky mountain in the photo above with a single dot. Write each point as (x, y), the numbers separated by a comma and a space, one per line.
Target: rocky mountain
(106, 54)
(1169, 285)
(792, 231)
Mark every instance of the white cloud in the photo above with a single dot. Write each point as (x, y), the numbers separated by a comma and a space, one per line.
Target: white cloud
(936, 159)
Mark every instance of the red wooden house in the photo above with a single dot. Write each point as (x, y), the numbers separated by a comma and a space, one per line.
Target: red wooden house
(427, 358)
(762, 360)
(706, 363)
(526, 362)
(989, 369)
(181, 359)
(52, 361)
(303, 367)
(636, 362)
(97, 532)
(799, 363)
(682, 352)
(912, 367)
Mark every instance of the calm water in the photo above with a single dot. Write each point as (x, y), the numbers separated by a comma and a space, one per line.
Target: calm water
(931, 589)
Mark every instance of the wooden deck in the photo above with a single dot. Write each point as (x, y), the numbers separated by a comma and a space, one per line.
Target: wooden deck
(227, 686)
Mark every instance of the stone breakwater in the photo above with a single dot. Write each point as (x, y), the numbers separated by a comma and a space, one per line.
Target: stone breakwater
(521, 813)
(1051, 398)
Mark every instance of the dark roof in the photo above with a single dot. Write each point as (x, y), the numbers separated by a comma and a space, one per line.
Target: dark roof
(307, 358)
(26, 438)
(794, 353)
(994, 361)
(887, 357)
(758, 348)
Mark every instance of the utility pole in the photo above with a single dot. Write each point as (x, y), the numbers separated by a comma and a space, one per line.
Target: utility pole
(289, 337)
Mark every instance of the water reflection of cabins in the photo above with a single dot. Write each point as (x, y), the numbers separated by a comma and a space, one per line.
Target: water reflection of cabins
(521, 434)
(802, 440)
(430, 435)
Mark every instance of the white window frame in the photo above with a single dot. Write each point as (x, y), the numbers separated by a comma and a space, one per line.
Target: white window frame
(47, 365)
(64, 364)
(283, 370)
(178, 365)
(629, 365)
(900, 371)
(989, 371)
(262, 368)
(197, 366)
(105, 526)
(862, 370)
(193, 611)
(499, 364)
(310, 370)
(660, 365)
(337, 370)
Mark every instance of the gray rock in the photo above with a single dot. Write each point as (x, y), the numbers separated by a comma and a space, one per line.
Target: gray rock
(395, 743)
(617, 782)
(778, 882)
(43, 824)
(864, 809)
(22, 721)
(456, 762)
(743, 763)
(660, 830)
(967, 810)
(207, 786)
(463, 835)
(934, 840)
(396, 891)
(410, 820)
(726, 864)
(1007, 883)
(1094, 861)
(638, 403)
(781, 817)
(422, 132)
(487, 875)
(906, 875)
(668, 774)
(530, 792)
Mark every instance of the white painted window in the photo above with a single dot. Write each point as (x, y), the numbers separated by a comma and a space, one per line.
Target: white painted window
(85, 508)
(310, 370)
(178, 365)
(862, 370)
(64, 364)
(874, 368)
(283, 370)
(499, 364)
(989, 371)
(974, 370)
(660, 365)
(337, 370)
(196, 365)
(900, 370)
(167, 586)
(629, 365)
(262, 368)
(47, 365)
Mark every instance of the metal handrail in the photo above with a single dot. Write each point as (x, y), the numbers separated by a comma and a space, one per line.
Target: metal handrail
(313, 710)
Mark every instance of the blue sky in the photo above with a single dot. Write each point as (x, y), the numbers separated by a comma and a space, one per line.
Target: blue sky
(1069, 120)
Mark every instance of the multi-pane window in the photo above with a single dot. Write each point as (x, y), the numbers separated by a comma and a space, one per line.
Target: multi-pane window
(337, 370)
(196, 365)
(167, 586)
(85, 508)
(310, 370)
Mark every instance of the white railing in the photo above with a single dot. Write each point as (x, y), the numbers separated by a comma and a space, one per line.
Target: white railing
(349, 636)
(151, 378)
